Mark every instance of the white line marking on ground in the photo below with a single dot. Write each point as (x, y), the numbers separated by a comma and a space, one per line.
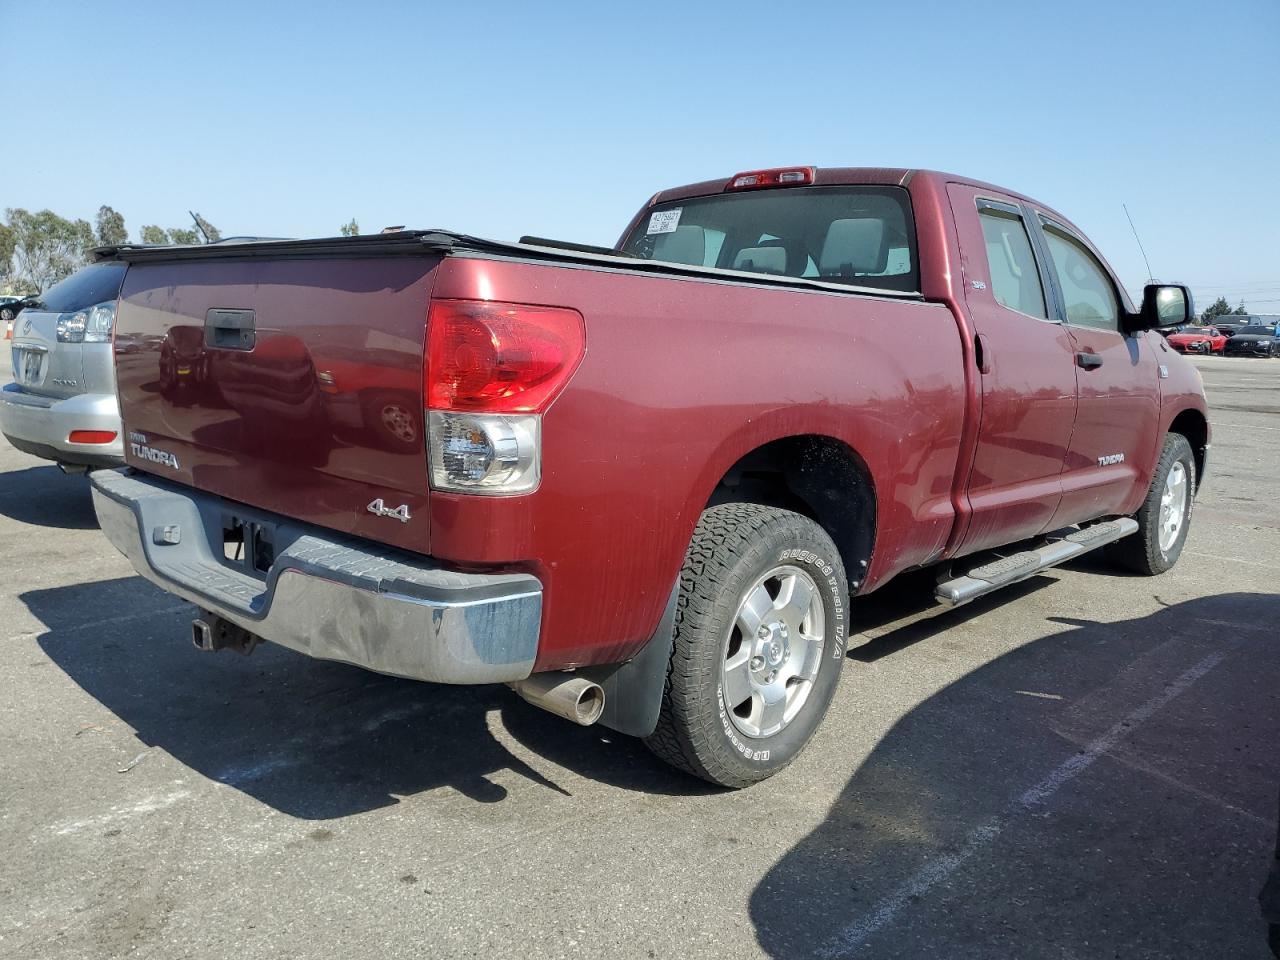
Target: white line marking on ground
(1214, 556)
(107, 621)
(1243, 426)
(938, 870)
(122, 812)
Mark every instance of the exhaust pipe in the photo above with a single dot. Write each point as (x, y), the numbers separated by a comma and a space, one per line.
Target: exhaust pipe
(564, 694)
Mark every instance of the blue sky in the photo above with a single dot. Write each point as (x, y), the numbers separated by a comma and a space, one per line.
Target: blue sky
(561, 119)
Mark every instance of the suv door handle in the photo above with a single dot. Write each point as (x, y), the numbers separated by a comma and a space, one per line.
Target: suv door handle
(1088, 361)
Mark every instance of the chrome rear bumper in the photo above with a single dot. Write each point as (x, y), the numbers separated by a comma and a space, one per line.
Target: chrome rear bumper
(326, 596)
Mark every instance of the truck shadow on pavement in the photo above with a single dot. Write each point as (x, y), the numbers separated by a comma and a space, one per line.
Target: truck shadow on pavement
(1107, 790)
(312, 739)
(46, 497)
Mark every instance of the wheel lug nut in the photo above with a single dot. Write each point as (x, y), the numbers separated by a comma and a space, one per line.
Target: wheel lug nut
(756, 663)
(762, 632)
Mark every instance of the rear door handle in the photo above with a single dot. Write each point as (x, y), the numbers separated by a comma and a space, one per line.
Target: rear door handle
(1088, 361)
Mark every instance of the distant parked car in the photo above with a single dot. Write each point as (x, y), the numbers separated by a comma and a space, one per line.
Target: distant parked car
(1254, 341)
(10, 307)
(1233, 323)
(62, 403)
(1198, 340)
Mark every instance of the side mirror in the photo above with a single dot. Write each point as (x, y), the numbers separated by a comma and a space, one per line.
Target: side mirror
(1163, 305)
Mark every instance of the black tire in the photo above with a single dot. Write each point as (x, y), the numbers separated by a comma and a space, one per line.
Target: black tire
(1141, 552)
(734, 545)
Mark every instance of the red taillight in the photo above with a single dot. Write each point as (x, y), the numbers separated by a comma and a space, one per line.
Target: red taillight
(778, 177)
(91, 436)
(499, 357)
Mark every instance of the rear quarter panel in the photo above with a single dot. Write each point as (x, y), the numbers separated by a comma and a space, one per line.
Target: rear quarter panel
(682, 378)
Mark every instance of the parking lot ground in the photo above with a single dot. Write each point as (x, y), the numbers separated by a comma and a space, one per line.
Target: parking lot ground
(1082, 766)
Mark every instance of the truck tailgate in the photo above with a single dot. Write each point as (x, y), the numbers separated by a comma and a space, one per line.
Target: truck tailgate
(293, 384)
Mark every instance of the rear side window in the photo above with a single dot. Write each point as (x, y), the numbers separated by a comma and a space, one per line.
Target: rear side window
(860, 235)
(1086, 289)
(1015, 279)
(97, 283)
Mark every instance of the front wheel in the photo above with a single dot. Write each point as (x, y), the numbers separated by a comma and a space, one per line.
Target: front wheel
(1165, 516)
(761, 629)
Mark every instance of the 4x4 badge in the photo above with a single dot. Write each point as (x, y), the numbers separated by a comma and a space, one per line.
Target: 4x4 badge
(380, 509)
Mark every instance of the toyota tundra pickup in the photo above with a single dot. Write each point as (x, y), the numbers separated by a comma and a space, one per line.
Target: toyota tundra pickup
(641, 484)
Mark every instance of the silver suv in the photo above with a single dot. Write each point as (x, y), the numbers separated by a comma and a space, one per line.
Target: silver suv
(62, 404)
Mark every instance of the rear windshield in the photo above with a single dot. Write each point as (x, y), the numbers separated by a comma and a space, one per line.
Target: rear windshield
(1261, 331)
(94, 284)
(856, 235)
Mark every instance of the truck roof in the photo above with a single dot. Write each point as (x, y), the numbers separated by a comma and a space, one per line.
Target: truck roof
(838, 176)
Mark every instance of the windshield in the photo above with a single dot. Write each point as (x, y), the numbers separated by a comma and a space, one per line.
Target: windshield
(1260, 331)
(863, 236)
(94, 284)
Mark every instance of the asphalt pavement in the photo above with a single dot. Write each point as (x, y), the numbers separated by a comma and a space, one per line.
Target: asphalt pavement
(1085, 765)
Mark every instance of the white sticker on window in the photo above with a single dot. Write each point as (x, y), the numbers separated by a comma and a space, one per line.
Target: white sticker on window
(665, 221)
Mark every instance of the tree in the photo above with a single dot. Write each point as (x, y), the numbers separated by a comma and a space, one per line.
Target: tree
(1240, 310)
(47, 247)
(351, 229)
(211, 233)
(1219, 308)
(6, 252)
(111, 230)
(183, 235)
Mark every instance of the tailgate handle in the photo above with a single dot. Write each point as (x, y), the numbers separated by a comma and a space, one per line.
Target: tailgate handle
(230, 329)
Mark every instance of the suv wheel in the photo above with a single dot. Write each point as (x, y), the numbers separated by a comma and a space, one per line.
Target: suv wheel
(761, 629)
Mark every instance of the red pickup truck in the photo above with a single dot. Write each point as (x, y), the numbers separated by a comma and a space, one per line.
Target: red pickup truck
(641, 484)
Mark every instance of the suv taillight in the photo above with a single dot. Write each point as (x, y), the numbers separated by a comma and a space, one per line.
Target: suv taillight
(492, 368)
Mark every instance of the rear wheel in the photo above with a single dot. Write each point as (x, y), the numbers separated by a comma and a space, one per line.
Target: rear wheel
(1165, 516)
(761, 628)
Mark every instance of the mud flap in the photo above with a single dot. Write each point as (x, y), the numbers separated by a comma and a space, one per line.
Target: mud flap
(633, 690)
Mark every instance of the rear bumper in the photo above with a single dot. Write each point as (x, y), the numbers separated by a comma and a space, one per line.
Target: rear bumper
(325, 596)
(40, 425)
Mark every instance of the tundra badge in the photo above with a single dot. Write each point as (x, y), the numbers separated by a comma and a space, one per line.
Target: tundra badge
(138, 444)
(1110, 458)
(380, 509)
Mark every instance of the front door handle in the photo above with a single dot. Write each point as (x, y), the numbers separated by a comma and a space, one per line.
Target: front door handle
(1088, 361)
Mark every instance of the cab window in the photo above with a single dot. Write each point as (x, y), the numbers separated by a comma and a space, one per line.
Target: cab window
(1086, 289)
(861, 235)
(1015, 279)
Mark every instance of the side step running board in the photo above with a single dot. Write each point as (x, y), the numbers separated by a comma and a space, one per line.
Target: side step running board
(1019, 566)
